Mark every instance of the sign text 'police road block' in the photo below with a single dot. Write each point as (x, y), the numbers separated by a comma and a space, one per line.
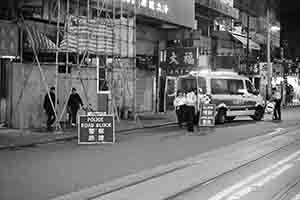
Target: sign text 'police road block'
(207, 115)
(96, 129)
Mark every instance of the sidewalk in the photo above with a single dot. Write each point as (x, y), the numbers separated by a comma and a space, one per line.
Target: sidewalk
(13, 138)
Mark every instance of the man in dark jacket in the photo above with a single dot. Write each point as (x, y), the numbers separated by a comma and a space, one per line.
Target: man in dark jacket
(74, 104)
(49, 109)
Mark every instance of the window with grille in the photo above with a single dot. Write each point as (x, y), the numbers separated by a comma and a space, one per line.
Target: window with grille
(102, 84)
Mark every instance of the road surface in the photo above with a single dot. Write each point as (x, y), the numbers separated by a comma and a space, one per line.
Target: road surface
(51, 170)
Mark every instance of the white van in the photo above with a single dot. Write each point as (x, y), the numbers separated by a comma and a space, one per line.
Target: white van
(233, 94)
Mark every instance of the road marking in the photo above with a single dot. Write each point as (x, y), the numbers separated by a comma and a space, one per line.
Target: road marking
(255, 186)
(297, 197)
(251, 178)
(277, 130)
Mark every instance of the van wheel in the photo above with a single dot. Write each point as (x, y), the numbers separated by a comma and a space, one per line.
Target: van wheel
(221, 117)
(259, 114)
(230, 119)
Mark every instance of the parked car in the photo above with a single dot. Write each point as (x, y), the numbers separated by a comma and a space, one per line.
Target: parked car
(233, 94)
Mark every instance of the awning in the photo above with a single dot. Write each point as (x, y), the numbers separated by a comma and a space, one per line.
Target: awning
(243, 40)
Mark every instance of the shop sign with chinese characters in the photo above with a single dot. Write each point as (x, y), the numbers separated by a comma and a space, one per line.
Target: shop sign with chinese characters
(180, 61)
(96, 129)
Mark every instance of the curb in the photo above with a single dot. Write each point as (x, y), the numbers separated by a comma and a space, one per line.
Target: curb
(73, 137)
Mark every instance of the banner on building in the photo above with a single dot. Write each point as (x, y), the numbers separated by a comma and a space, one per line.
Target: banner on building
(97, 129)
(9, 39)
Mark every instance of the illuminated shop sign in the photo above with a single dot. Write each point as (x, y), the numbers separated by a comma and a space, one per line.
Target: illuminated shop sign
(155, 5)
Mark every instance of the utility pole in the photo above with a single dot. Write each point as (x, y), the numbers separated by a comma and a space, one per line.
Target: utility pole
(247, 50)
(269, 52)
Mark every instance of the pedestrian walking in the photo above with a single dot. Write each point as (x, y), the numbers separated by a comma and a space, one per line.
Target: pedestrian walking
(180, 107)
(191, 100)
(49, 109)
(74, 104)
(276, 97)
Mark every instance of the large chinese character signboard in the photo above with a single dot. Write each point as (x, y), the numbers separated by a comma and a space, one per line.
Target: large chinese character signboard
(180, 61)
(207, 115)
(96, 129)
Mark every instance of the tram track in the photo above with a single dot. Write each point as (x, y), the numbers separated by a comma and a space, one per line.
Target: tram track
(265, 137)
(212, 180)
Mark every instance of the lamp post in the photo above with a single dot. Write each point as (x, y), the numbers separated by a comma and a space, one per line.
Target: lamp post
(269, 82)
(270, 29)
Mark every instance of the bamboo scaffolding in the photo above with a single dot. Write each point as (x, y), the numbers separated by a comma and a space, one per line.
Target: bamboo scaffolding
(109, 10)
(56, 62)
(40, 68)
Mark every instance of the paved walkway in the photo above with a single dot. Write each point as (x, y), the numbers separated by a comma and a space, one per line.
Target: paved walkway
(12, 138)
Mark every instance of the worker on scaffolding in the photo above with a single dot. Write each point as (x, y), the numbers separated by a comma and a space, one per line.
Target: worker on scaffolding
(74, 104)
(49, 108)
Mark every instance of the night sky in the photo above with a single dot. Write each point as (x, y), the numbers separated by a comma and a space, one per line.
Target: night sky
(290, 23)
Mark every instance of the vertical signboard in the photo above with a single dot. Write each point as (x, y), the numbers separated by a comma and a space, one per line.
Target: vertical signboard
(207, 115)
(96, 129)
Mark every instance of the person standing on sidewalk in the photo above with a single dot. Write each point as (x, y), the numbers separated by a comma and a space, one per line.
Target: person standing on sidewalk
(191, 100)
(180, 107)
(49, 109)
(74, 104)
(276, 97)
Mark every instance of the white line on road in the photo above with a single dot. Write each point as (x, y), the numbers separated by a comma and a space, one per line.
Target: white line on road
(297, 197)
(255, 186)
(277, 130)
(251, 178)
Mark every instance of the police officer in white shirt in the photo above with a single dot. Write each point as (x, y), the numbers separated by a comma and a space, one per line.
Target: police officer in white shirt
(180, 107)
(276, 97)
(191, 101)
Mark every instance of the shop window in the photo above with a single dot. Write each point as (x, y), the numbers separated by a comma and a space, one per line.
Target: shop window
(62, 69)
(188, 43)
(3, 79)
(102, 85)
(173, 43)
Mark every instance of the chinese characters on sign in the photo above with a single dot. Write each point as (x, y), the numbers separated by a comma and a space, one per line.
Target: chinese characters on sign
(207, 115)
(96, 129)
(179, 61)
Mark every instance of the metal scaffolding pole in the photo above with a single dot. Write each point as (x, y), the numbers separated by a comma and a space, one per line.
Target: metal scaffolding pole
(56, 60)
(134, 59)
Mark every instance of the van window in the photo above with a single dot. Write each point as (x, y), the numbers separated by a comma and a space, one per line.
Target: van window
(226, 86)
(188, 83)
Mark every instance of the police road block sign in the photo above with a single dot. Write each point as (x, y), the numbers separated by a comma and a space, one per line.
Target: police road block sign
(207, 115)
(96, 129)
